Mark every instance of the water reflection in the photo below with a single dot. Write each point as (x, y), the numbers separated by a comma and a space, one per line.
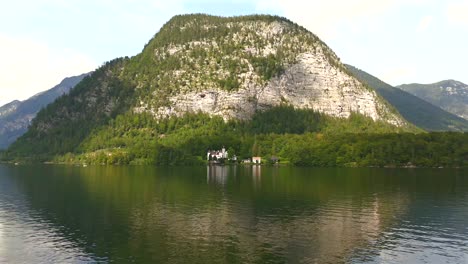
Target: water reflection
(217, 174)
(28, 237)
(241, 214)
(256, 175)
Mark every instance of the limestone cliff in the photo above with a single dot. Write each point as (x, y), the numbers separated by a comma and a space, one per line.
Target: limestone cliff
(265, 63)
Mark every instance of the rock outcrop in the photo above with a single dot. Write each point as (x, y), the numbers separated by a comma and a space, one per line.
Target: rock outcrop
(312, 77)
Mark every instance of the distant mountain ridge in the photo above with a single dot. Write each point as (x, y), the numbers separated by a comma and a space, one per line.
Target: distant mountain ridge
(450, 95)
(9, 108)
(418, 111)
(16, 116)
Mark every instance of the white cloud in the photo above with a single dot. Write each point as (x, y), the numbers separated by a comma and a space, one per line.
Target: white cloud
(425, 23)
(326, 18)
(457, 12)
(28, 67)
(396, 76)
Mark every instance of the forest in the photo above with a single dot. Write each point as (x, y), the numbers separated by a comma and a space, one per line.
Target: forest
(297, 137)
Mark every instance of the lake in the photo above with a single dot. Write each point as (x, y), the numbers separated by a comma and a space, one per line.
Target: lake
(232, 214)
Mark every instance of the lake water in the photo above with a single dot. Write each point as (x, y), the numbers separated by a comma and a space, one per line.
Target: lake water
(252, 214)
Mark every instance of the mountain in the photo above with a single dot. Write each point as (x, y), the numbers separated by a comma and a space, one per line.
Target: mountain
(15, 117)
(233, 67)
(9, 108)
(197, 70)
(412, 108)
(450, 95)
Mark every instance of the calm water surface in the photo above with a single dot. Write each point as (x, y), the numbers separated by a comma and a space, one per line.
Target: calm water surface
(60, 214)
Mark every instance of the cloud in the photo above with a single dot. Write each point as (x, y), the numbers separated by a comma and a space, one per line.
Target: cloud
(396, 76)
(29, 67)
(425, 23)
(326, 18)
(457, 13)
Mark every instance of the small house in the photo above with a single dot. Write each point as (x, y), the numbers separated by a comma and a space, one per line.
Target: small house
(217, 154)
(274, 160)
(256, 160)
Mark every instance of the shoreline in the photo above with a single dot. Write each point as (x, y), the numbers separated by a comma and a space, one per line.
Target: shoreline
(212, 164)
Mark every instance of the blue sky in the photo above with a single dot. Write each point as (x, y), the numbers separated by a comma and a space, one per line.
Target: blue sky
(399, 41)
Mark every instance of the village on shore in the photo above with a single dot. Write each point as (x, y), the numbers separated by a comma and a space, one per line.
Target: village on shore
(222, 157)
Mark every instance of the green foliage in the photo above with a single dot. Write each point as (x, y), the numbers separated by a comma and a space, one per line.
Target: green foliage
(301, 137)
(267, 67)
(61, 126)
(425, 150)
(286, 119)
(230, 83)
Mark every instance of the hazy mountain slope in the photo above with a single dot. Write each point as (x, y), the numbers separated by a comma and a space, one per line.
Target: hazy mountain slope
(16, 116)
(9, 108)
(225, 67)
(412, 108)
(450, 95)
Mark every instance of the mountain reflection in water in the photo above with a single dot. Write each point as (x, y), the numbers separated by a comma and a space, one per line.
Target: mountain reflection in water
(232, 214)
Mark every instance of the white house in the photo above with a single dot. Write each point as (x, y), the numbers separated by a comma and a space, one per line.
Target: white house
(256, 160)
(217, 154)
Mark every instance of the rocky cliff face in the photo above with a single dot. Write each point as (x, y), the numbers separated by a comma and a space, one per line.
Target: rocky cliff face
(310, 84)
(310, 75)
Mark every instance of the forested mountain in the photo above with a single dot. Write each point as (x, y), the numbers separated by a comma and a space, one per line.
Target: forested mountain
(417, 111)
(15, 117)
(260, 85)
(450, 95)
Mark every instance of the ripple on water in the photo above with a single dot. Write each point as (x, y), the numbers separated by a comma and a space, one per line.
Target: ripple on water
(432, 235)
(152, 217)
(27, 238)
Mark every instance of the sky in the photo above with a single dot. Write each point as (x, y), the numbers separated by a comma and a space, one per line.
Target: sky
(399, 41)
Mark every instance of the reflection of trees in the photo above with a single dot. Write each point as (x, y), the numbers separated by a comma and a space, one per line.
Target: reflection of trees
(27, 235)
(330, 235)
(250, 231)
(174, 214)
